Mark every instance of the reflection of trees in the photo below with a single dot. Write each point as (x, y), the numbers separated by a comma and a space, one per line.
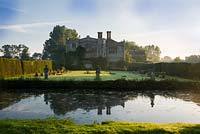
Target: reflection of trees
(62, 103)
(65, 102)
(7, 99)
(189, 95)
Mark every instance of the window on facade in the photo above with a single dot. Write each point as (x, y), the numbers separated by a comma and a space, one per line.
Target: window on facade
(73, 46)
(112, 50)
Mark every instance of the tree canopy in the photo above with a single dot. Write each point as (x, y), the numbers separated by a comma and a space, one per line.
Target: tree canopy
(193, 59)
(55, 46)
(75, 59)
(15, 51)
(177, 59)
(134, 53)
(166, 59)
(153, 53)
(37, 56)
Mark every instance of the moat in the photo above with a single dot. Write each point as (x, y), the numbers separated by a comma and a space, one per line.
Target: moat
(87, 106)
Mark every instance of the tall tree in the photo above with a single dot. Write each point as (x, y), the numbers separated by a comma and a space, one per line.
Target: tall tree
(128, 57)
(10, 51)
(75, 59)
(193, 59)
(15, 51)
(80, 52)
(153, 53)
(134, 53)
(128, 52)
(166, 59)
(55, 46)
(6, 50)
(24, 55)
(37, 56)
(177, 59)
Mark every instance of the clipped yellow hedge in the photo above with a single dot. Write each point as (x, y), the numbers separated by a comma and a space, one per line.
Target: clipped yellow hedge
(35, 66)
(10, 68)
(15, 68)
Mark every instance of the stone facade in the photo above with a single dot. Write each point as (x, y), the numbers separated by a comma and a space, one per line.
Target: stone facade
(107, 48)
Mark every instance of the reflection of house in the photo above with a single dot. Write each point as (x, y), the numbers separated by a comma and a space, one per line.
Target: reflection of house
(107, 48)
(70, 101)
(63, 103)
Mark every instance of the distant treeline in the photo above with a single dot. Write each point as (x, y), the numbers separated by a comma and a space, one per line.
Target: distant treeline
(184, 70)
(15, 67)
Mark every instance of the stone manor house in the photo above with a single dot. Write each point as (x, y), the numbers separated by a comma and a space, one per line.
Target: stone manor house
(107, 48)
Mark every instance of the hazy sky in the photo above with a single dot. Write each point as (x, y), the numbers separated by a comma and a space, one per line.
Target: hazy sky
(173, 25)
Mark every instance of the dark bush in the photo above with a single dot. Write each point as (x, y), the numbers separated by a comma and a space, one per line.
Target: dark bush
(184, 70)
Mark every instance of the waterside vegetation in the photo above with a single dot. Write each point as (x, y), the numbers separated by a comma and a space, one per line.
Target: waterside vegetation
(52, 126)
(120, 84)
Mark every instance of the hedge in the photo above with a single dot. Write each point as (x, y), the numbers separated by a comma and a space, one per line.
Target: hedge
(10, 68)
(30, 85)
(142, 67)
(35, 66)
(185, 70)
(15, 68)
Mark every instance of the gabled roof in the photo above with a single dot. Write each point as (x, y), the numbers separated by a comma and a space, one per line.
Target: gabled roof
(114, 42)
(88, 38)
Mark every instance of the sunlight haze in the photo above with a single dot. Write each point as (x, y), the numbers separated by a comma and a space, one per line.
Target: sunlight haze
(173, 25)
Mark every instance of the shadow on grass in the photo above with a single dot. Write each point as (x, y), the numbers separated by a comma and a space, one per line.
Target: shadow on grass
(152, 131)
(191, 130)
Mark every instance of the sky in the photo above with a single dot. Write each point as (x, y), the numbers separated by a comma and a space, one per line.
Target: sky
(173, 25)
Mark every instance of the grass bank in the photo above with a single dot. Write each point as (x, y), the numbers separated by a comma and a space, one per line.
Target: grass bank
(120, 85)
(84, 75)
(55, 126)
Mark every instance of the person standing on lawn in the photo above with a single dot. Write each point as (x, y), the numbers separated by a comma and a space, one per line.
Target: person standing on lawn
(98, 73)
(46, 72)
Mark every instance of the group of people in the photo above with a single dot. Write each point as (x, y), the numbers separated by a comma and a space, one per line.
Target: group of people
(46, 72)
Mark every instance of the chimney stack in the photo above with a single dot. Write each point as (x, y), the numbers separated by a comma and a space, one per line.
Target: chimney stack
(108, 34)
(100, 35)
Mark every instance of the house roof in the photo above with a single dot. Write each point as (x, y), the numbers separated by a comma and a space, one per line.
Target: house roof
(88, 38)
(91, 39)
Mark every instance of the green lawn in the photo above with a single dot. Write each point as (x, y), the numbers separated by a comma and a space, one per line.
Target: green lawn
(55, 126)
(83, 75)
(105, 75)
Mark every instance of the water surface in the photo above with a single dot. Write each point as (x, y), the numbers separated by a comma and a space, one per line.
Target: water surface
(87, 106)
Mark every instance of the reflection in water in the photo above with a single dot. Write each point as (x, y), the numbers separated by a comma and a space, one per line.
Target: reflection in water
(61, 103)
(86, 106)
(152, 97)
(7, 99)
